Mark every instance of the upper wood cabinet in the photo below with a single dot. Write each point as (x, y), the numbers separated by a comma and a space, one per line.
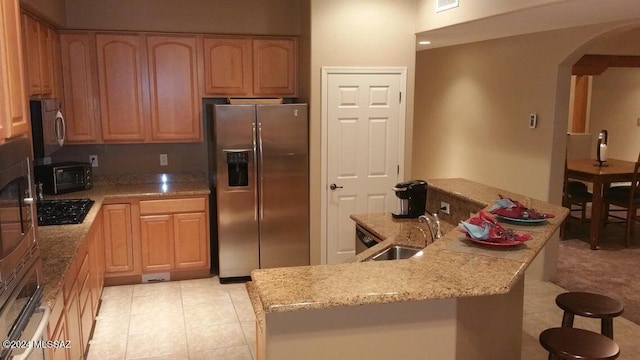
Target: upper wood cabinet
(173, 85)
(228, 66)
(38, 43)
(80, 99)
(250, 67)
(274, 67)
(122, 96)
(14, 117)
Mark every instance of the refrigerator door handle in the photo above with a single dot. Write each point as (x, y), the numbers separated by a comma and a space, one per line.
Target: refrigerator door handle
(254, 138)
(261, 191)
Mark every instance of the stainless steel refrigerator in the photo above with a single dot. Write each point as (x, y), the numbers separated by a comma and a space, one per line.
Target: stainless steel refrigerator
(262, 187)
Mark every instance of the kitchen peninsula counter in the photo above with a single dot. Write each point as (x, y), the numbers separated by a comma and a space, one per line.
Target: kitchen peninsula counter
(448, 273)
(59, 243)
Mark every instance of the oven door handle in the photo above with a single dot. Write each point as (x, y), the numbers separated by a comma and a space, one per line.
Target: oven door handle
(38, 333)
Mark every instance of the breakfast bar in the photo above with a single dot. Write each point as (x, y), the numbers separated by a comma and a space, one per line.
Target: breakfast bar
(454, 300)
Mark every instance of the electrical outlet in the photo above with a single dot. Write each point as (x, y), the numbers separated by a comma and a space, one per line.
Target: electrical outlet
(533, 120)
(444, 207)
(93, 159)
(164, 161)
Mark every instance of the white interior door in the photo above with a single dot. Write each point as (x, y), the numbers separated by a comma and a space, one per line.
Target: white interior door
(363, 152)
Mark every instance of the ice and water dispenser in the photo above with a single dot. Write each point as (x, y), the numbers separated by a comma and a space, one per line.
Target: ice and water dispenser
(238, 168)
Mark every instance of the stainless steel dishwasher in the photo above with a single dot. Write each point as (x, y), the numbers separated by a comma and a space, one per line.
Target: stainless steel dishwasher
(365, 239)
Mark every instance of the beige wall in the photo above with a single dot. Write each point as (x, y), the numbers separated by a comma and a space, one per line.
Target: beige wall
(427, 18)
(355, 33)
(52, 11)
(472, 104)
(274, 17)
(614, 107)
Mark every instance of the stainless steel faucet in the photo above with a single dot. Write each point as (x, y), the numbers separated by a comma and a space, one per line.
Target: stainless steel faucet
(433, 223)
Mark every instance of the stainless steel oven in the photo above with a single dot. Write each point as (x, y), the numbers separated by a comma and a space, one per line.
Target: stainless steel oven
(21, 314)
(23, 319)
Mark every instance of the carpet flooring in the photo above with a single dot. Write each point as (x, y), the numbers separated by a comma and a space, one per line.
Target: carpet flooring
(612, 270)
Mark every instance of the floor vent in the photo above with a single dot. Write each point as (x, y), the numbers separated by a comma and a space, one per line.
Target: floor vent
(156, 277)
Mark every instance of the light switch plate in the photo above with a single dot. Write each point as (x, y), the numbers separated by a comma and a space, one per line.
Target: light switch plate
(164, 161)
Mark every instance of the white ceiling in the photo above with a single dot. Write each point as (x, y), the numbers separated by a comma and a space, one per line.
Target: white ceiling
(561, 15)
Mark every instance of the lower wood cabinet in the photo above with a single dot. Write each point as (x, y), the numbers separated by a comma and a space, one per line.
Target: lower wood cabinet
(156, 235)
(174, 234)
(73, 313)
(118, 239)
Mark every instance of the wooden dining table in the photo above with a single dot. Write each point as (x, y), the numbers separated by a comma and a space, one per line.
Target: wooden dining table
(611, 171)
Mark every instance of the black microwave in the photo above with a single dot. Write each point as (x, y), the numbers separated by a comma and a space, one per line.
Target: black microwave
(64, 177)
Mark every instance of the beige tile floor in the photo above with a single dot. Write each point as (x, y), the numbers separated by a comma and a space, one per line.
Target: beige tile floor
(195, 319)
(202, 319)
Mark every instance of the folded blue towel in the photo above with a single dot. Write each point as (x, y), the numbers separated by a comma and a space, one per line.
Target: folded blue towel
(476, 231)
(502, 204)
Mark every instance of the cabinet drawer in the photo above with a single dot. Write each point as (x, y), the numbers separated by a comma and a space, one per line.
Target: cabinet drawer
(152, 207)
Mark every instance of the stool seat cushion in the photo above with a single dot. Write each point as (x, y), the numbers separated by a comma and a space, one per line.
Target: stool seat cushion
(589, 305)
(572, 343)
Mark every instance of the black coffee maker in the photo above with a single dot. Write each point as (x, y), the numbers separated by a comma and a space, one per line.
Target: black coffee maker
(413, 198)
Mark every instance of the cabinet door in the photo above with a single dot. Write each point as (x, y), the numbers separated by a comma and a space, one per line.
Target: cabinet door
(74, 325)
(118, 240)
(56, 67)
(274, 67)
(78, 73)
(173, 81)
(190, 236)
(32, 53)
(96, 253)
(45, 57)
(14, 118)
(227, 66)
(122, 100)
(60, 336)
(156, 236)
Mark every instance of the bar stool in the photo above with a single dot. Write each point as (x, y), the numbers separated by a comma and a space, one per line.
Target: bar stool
(590, 305)
(572, 343)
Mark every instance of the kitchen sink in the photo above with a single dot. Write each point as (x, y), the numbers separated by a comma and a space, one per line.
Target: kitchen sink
(395, 252)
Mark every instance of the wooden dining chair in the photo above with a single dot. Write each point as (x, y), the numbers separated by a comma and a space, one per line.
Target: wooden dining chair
(627, 198)
(575, 193)
(575, 197)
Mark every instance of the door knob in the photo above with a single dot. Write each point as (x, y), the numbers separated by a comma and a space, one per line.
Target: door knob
(334, 186)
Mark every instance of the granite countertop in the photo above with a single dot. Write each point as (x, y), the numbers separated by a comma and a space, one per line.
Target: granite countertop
(450, 267)
(59, 243)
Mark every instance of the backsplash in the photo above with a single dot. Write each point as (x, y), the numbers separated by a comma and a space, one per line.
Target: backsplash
(460, 209)
(125, 159)
(133, 179)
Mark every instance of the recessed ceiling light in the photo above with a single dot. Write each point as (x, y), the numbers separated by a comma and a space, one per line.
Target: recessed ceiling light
(424, 42)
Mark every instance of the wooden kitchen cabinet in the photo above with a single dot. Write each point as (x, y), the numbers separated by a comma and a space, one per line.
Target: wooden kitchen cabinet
(123, 102)
(174, 234)
(73, 313)
(274, 67)
(173, 88)
(156, 236)
(228, 66)
(250, 67)
(118, 239)
(57, 329)
(14, 116)
(97, 269)
(38, 47)
(74, 324)
(80, 87)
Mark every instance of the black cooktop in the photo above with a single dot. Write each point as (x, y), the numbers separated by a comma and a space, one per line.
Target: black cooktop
(63, 212)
